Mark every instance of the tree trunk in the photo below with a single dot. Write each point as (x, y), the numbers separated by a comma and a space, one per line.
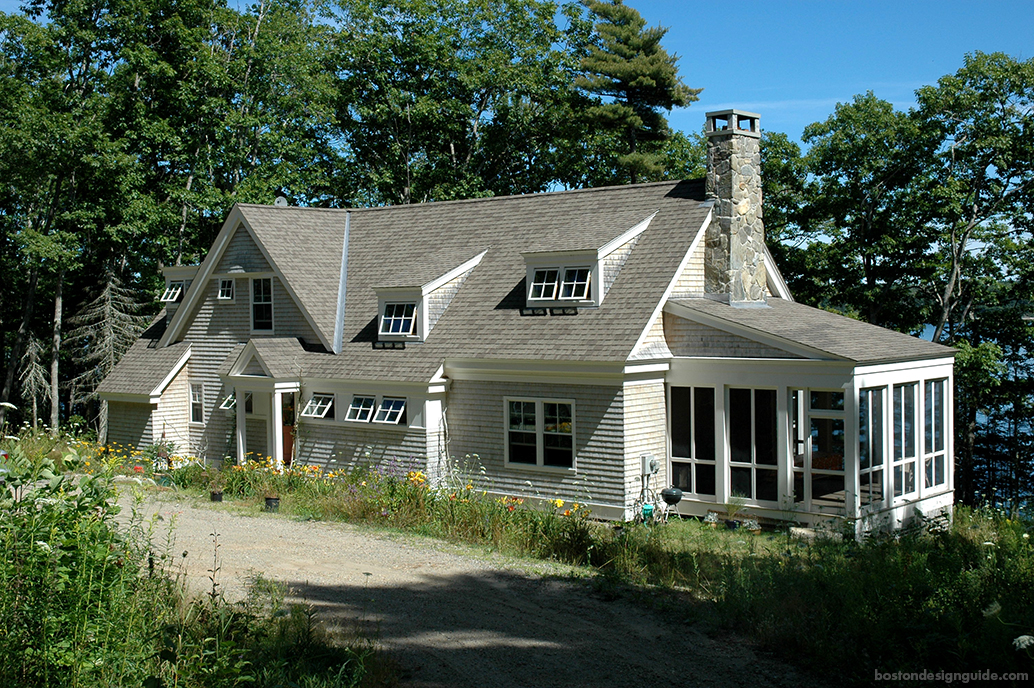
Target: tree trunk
(19, 342)
(55, 399)
(102, 423)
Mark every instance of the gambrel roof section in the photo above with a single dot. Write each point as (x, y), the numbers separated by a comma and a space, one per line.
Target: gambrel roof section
(303, 247)
(809, 332)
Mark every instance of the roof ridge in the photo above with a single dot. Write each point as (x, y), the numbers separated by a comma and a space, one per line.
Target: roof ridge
(483, 199)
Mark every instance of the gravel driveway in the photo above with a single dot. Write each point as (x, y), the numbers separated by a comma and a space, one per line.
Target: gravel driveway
(453, 616)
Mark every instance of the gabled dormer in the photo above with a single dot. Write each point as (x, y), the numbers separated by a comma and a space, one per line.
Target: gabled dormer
(578, 278)
(408, 312)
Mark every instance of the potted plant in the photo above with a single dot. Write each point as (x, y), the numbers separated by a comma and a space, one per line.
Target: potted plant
(751, 524)
(711, 519)
(215, 487)
(272, 502)
(732, 508)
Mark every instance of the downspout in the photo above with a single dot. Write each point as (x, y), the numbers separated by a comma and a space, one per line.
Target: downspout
(339, 321)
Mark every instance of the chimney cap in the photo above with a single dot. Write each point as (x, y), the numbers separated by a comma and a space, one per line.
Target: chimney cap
(733, 121)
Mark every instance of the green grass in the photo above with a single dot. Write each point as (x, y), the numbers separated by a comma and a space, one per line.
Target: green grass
(86, 602)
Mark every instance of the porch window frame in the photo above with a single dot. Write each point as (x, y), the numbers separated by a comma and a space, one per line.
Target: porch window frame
(694, 461)
(753, 464)
(935, 427)
(830, 414)
(870, 420)
(898, 428)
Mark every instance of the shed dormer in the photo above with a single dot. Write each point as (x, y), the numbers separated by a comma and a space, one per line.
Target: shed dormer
(408, 313)
(577, 278)
(177, 280)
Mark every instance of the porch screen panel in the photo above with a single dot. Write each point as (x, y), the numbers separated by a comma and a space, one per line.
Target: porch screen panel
(905, 439)
(933, 445)
(870, 446)
(693, 440)
(752, 441)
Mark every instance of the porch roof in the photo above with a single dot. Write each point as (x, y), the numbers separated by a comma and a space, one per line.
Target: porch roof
(833, 334)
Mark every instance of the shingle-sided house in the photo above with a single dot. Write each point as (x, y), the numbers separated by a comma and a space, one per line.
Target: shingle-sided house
(560, 337)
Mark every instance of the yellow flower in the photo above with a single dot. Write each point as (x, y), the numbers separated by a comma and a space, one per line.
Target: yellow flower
(558, 503)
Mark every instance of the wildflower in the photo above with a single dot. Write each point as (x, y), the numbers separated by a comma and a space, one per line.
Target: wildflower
(469, 486)
(558, 503)
(993, 609)
(1023, 642)
(46, 548)
(567, 512)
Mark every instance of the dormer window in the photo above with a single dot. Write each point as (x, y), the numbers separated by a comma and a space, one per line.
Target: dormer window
(173, 293)
(399, 319)
(544, 284)
(576, 283)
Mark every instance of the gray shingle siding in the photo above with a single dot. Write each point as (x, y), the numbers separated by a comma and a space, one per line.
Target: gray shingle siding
(343, 444)
(242, 255)
(476, 416)
(687, 338)
(129, 424)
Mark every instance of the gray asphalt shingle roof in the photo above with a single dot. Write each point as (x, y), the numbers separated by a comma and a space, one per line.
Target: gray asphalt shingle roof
(836, 335)
(144, 366)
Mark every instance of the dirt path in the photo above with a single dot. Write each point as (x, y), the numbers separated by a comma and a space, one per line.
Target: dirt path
(456, 617)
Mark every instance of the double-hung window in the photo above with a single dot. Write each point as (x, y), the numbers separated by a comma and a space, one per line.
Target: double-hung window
(934, 461)
(540, 432)
(692, 440)
(399, 319)
(905, 439)
(320, 405)
(361, 408)
(262, 304)
(197, 402)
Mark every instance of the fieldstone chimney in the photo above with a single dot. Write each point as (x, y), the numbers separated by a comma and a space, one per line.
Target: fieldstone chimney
(734, 259)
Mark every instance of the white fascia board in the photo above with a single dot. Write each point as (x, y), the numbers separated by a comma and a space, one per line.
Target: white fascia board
(775, 277)
(750, 333)
(156, 393)
(215, 254)
(294, 385)
(624, 238)
(365, 387)
(648, 366)
(180, 272)
(439, 384)
(339, 317)
(584, 256)
(674, 280)
(947, 363)
(452, 274)
(561, 372)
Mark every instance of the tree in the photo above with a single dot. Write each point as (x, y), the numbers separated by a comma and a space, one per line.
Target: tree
(34, 378)
(629, 68)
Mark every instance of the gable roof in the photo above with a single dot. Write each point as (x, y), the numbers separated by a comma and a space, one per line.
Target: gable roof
(407, 245)
(145, 368)
(833, 335)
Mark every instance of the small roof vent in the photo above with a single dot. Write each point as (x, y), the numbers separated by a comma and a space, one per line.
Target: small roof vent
(280, 202)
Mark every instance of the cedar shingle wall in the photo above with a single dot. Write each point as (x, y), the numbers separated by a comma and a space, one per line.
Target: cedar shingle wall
(242, 255)
(691, 279)
(476, 426)
(173, 412)
(645, 419)
(613, 263)
(129, 424)
(687, 338)
(439, 299)
(340, 444)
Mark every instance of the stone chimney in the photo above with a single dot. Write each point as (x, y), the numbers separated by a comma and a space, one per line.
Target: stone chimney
(734, 259)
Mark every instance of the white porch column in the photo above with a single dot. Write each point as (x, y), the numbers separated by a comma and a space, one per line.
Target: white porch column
(852, 458)
(242, 435)
(277, 419)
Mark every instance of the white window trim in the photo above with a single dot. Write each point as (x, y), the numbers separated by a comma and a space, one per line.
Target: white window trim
(272, 307)
(694, 460)
(229, 403)
(931, 453)
(398, 413)
(174, 292)
(233, 289)
(754, 465)
(587, 296)
(319, 405)
(414, 326)
(200, 388)
(593, 296)
(916, 459)
(540, 434)
(535, 281)
(358, 409)
(884, 467)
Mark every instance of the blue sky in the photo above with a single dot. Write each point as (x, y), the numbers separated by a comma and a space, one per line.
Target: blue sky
(793, 60)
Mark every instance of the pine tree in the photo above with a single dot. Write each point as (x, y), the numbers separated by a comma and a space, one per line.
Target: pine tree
(34, 378)
(629, 67)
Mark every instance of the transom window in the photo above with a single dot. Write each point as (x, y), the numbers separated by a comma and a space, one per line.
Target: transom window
(226, 290)
(197, 403)
(391, 411)
(361, 408)
(692, 440)
(540, 432)
(399, 318)
(262, 304)
(319, 406)
(173, 293)
(544, 285)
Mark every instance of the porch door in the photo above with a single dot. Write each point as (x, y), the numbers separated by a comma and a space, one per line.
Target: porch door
(817, 447)
(287, 419)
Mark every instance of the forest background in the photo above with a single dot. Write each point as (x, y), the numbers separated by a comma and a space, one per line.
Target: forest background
(128, 128)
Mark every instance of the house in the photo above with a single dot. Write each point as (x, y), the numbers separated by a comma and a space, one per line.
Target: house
(565, 339)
